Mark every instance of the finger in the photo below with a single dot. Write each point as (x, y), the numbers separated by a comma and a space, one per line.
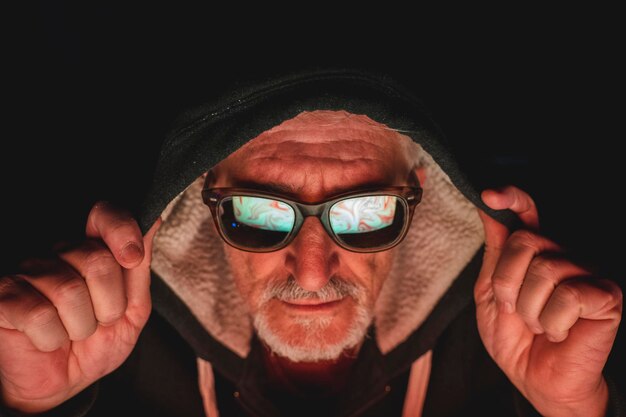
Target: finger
(119, 231)
(544, 275)
(137, 281)
(496, 234)
(67, 291)
(24, 309)
(517, 254)
(591, 299)
(516, 200)
(495, 237)
(104, 279)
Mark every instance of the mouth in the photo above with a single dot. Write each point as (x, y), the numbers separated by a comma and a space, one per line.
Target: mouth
(312, 306)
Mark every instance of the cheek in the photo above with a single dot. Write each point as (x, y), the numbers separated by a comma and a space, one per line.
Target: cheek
(252, 272)
(371, 270)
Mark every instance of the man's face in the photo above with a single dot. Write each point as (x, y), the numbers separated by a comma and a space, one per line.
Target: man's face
(312, 300)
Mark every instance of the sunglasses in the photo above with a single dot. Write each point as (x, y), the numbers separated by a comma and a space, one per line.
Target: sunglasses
(359, 221)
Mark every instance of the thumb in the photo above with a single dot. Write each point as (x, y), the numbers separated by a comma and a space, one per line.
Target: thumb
(138, 279)
(148, 239)
(496, 235)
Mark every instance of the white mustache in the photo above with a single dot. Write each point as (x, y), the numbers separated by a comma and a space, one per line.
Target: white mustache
(335, 289)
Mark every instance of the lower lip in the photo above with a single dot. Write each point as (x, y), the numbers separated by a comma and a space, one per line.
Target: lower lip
(314, 308)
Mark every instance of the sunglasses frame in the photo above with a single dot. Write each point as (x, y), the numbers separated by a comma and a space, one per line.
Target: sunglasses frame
(408, 196)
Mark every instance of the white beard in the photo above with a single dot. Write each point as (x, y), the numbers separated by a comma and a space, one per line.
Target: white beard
(312, 347)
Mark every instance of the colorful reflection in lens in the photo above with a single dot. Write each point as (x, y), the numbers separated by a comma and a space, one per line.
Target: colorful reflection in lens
(363, 214)
(263, 213)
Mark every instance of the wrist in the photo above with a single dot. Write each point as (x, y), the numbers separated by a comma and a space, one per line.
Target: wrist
(27, 408)
(20, 406)
(593, 405)
(78, 404)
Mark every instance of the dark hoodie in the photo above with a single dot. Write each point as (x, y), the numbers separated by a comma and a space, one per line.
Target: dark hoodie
(198, 318)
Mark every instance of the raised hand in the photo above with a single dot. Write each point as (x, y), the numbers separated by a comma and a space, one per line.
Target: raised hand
(67, 322)
(547, 322)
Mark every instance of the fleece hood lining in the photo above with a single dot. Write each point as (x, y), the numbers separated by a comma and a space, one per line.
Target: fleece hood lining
(445, 234)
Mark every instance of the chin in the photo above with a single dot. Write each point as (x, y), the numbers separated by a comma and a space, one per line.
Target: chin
(314, 337)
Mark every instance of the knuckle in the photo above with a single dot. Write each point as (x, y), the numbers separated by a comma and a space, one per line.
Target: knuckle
(99, 206)
(71, 292)
(111, 317)
(104, 211)
(95, 211)
(85, 332)
(523, 239)
(503, 281)
(565, 295)
(550, 327)
(99, 262)
(614, 298)
(615, 291)
(548, 324)
(502, 286)
(113, 311)
(40, 315)
(543, 268)
(123, 226)
(618, 296)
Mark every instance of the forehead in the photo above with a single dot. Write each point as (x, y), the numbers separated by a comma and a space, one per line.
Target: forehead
(321, 152)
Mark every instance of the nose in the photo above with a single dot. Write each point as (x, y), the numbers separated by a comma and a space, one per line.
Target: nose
(312, 256)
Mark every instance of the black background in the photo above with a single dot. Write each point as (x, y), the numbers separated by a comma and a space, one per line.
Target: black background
(526, 97)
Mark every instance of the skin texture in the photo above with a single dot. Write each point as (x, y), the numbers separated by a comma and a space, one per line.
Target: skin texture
(66, 322)
(325, 153)
(549, 324)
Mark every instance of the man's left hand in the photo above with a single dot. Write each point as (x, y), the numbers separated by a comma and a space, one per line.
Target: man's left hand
(548, 323)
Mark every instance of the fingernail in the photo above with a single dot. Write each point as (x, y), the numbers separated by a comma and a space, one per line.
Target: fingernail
(506, 307)
(131, 253)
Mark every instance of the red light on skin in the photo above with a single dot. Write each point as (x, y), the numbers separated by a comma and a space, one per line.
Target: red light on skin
(313, 306)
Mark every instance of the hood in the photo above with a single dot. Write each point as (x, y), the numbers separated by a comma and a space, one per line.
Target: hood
(192, 285)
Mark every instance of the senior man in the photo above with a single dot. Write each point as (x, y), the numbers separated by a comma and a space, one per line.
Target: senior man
(318, 253)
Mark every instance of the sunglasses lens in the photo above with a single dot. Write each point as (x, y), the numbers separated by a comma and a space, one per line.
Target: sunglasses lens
(255, 222)
(368, 222)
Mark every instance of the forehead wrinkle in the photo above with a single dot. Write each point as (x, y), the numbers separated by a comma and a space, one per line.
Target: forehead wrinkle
(316, 143)
(329, 118)
(313, 158)
(320, 149)
(321, 135)
(319, 129)
(316, 167)
(318, 159)
(334, 143)
(309, 180)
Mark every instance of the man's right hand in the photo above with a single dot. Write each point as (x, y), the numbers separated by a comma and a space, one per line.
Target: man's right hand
(67, 322)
